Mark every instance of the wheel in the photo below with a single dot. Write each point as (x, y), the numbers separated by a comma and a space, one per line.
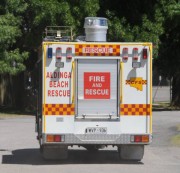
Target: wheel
(55, 152)
(131, 152)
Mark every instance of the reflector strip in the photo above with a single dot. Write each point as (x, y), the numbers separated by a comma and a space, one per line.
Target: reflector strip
(58, 109)
(135, 109)
(97, 50)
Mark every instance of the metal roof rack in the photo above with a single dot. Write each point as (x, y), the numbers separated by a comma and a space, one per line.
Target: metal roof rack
(58, 33)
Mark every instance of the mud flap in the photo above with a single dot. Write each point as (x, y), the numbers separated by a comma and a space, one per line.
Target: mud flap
(131, 152)
(54, 152)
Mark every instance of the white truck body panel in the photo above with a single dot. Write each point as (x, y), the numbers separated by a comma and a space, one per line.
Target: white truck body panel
(69, 106)
(136, 125)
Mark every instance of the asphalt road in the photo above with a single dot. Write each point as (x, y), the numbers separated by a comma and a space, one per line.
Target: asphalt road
(19, 151)
(161, 94)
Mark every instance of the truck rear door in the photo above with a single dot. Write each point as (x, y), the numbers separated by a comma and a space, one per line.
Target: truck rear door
(97, 88)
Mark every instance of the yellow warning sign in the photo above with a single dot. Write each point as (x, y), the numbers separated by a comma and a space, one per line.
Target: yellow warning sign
(136, 82)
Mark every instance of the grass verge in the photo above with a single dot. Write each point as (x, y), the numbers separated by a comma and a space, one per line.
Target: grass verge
(175, 140)
(164, 106)
(6, 115)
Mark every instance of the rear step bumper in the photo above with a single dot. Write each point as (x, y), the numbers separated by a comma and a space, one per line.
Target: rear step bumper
(106, 139)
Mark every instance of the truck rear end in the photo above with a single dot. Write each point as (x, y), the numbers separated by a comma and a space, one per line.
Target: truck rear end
(95, 94)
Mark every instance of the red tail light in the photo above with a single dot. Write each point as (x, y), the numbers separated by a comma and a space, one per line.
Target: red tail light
(55, 138)
(140, 138)
(137, 138)
(145, 53)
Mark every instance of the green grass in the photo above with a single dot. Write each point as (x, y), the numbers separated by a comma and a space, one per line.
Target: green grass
(175, 140)
(164, 106)
(6, 115)
(178, 128)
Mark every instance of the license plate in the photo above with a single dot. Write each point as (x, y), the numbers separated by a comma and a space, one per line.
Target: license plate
(96, 130)
(60, 64)
(136, 64)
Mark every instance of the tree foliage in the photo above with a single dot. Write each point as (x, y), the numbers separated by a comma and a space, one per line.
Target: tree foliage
(22, 23)
(168, 60)
(135, 21)
(11, 57)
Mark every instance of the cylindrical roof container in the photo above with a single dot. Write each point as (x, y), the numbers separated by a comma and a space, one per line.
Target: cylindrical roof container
(95, 29)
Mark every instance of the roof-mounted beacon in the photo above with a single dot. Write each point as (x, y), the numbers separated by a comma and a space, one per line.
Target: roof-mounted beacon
(95, 29)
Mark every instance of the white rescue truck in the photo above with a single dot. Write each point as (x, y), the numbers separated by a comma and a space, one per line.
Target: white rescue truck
(94, 93)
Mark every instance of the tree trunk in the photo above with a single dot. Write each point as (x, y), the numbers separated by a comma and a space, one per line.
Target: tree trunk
(6, 99)
(176, 91)
(18, 91)
(12, 91)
